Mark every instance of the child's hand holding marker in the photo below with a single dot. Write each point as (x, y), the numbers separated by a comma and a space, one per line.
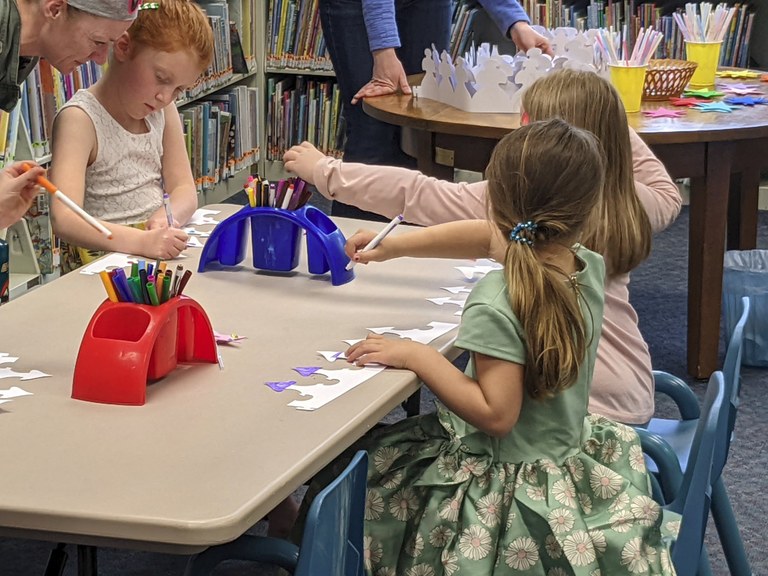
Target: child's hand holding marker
(364, 245)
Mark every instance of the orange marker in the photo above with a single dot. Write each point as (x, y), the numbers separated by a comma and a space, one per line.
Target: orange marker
(48, 185)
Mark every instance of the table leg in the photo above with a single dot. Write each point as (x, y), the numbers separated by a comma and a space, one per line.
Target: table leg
(421, 145)
(742, 209)
(706, 249)
(86, 561)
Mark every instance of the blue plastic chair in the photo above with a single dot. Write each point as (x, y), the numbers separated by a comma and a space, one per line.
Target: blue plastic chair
(679, 434)
(332, 542)
(693, 497)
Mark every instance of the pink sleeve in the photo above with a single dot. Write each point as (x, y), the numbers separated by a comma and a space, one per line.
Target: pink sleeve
(657, 191)
(390, 191)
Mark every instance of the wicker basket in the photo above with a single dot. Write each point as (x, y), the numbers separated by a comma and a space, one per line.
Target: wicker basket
(667, 78)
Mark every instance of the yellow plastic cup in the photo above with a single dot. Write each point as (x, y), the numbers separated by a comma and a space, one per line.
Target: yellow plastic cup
(629, 82)
(707, 56)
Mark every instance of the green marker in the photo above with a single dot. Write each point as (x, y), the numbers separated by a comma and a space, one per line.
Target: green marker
(152, 294)
(133, 284)
(166, 294)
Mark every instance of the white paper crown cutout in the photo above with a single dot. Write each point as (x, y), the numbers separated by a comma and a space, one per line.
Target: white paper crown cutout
(486, 81)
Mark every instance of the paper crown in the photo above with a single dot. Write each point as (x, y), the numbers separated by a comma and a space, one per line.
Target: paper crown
(485, 81)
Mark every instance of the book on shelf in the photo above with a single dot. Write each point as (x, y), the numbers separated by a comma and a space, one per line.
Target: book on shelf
(295, 37)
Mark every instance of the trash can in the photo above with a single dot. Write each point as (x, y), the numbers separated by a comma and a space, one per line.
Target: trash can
(745, 273)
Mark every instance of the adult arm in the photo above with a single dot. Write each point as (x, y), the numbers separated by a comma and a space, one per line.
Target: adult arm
(388, 75)
(18, 189)
(514, 23)
(658, 193)
(178, 181)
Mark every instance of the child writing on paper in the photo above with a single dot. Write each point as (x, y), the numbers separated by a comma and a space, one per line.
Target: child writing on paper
(118, 145)
(511, 475)
(640, 198)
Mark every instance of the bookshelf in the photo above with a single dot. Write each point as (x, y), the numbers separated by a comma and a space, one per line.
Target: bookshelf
(220, 151)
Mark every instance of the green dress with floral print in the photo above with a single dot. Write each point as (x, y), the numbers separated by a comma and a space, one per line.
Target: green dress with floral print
(563, 494)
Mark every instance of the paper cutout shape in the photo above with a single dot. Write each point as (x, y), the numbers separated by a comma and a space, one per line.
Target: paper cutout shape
(663, 113)
(443, 301)
(31, 375)
(714, 107)
(737, 74)
(764, 78)
(435, 330)
(5, 358)
(703, 93)
(109, 262)
(202, 217)
(353, 342)
(222, 338)
(280, 386)
(194, 242)
(306, 370)
(332, 356)
(482, 80)
(739, 89)
(457, 289)
(746, 100)
(13, 392)
(320, 394)
(687, 101)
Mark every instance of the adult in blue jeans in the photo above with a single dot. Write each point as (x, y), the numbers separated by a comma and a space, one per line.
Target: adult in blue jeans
(375, 44)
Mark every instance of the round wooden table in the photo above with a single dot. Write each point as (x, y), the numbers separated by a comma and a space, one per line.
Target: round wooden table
(721, 153)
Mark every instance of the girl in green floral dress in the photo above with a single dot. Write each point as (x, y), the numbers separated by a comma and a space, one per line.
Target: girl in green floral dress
(511, 475)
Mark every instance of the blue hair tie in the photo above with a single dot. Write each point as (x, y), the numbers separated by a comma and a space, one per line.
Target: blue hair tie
(516, 234)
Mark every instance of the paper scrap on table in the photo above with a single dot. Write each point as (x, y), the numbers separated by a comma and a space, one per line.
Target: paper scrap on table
(354, 341)
(332, 356)
(194, 242)
(441, 301)
(110, 261)
(5, 358)
(31, 375)
(13, 392)
(306, 370)
(280, 386)
(227, 338)
(470, 272)
(457, 289)
(320, 394)
(195, 232)
(435, 330)
(202, 217)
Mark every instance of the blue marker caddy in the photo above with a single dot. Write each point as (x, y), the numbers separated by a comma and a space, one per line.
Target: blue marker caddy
(276, 241)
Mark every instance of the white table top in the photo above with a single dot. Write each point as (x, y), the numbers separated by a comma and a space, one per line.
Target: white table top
(211, 451)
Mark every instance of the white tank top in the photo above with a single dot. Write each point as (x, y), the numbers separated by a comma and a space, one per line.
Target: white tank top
(124, 183)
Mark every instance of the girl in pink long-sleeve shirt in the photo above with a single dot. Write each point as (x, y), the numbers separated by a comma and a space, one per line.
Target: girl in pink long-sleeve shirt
(640, 198)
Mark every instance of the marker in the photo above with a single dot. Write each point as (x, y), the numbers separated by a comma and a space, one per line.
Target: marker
(183, 282)
(378, 238)
(108, 286)
(152, 294)
(166, 291)
(287, 197)
(167, 206)
(48, 185)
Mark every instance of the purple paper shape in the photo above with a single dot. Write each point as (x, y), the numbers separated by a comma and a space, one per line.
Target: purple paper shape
(280, 386)
(307, 370)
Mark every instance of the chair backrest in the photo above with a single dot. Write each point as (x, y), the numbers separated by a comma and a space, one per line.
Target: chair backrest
(732, 375)
(694, 496)
(332, 542)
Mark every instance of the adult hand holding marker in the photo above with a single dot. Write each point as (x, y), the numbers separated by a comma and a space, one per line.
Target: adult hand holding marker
(48, 185)
(359, 237)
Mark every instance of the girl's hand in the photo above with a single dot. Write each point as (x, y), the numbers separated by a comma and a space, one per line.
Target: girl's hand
(376, 349)
(388, 76)
(158, 221)
(163, 243)
(301, 160)
(360, 240)
(18, 190)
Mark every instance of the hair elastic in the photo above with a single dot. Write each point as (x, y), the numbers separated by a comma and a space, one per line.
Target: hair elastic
(515, 235)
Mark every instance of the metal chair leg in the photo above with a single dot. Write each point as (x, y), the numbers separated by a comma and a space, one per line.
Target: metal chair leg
(57, 561)
(86, 561)
(412, 404)
(728, 530)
